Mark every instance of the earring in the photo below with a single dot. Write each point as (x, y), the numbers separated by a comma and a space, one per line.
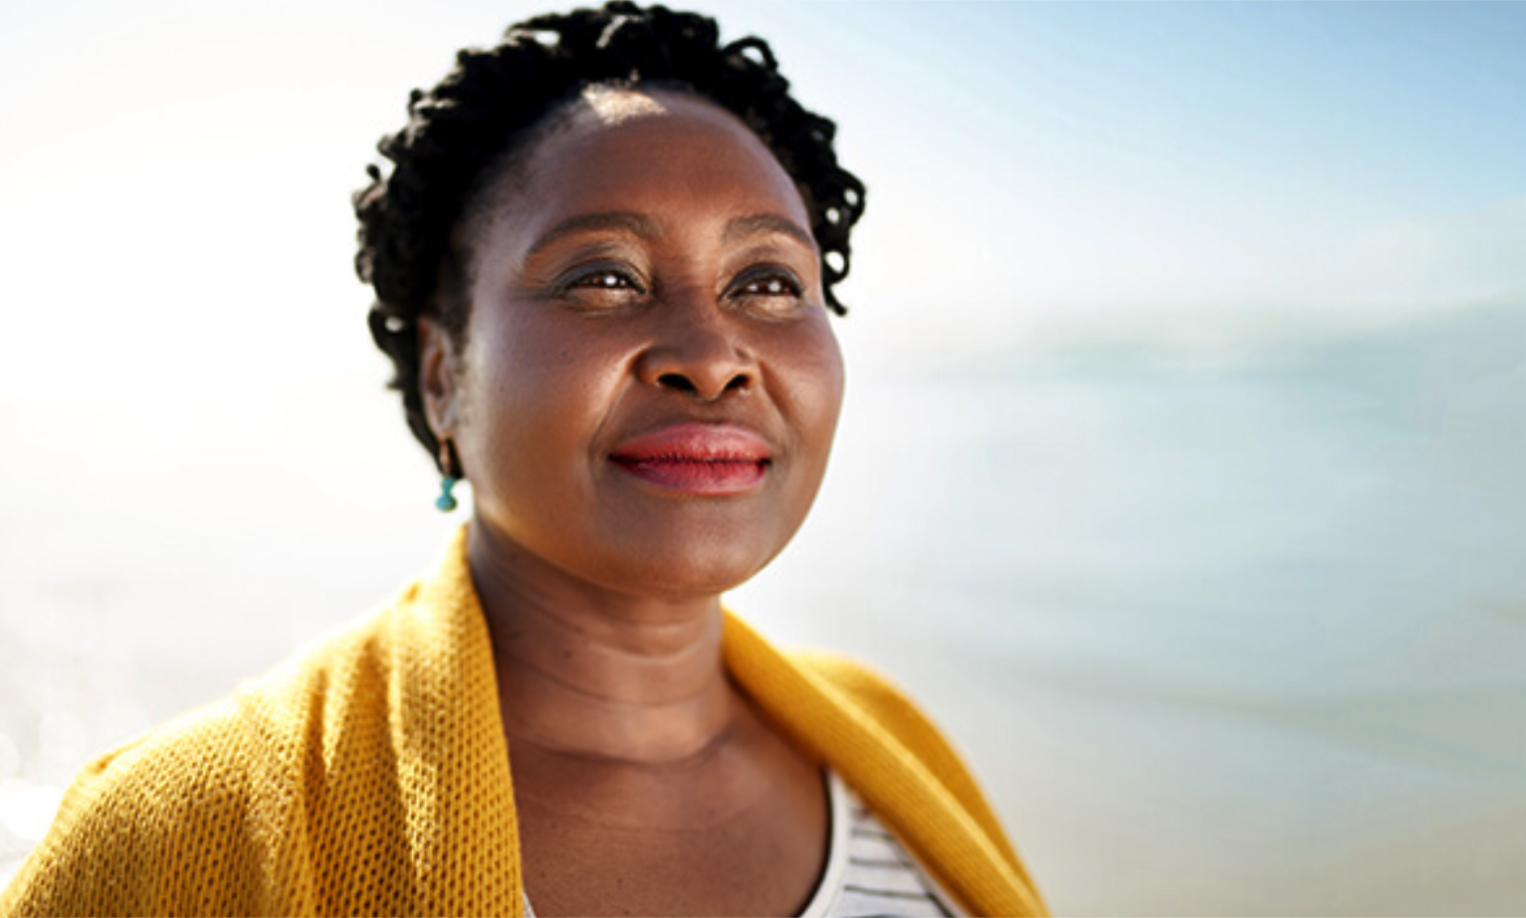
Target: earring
(451, 475)
(446, 502)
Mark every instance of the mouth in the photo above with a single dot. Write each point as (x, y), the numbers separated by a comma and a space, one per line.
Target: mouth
(708, 460)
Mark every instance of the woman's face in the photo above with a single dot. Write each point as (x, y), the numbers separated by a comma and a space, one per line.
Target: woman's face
(650, 383)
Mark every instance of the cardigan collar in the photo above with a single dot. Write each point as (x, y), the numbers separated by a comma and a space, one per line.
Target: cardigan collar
(457, 682)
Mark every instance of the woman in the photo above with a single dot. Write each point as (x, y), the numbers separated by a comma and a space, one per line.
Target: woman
(603, 261)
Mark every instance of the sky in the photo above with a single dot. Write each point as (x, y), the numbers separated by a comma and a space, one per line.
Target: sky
(1186, 350)
(1028, 164)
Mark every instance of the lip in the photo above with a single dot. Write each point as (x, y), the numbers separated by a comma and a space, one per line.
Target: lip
(707, 460)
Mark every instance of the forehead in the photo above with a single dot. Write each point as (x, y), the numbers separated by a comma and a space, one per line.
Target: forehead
(619, 148)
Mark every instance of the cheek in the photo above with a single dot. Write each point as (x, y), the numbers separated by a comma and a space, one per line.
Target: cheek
(537, 394)
(815, 393)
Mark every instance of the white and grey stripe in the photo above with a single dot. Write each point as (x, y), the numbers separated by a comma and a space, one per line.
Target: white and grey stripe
(869, 872)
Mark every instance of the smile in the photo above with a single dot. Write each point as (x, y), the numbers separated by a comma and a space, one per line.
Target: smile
(697, 459)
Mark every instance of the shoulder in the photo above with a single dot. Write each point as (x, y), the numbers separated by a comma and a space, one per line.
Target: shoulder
(196, 816)
(175, 797)
(873, 691)
(894, 711)
(886, 703)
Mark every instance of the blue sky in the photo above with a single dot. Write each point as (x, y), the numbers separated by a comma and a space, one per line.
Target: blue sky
(1028, 163)
(1383, 110)
(1264, 166)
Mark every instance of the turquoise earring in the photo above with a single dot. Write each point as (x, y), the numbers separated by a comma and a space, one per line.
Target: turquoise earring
(446, 502)
(451, 476)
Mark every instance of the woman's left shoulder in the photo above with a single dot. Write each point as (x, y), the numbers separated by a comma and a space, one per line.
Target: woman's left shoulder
(854, 677)
(894, 711)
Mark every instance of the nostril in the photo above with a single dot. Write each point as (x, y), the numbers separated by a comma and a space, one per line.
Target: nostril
(677, 381)
(736, 383)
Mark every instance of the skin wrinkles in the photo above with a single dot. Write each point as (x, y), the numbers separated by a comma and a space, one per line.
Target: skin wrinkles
(625, 276)
(614, 695)
(726, 812)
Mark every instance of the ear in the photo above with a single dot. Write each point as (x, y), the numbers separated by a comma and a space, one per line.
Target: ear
(437, 377)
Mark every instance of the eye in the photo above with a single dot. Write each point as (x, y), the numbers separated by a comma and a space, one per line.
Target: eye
(771, 282)
(772, 286)
(601, 284)
(603, 278)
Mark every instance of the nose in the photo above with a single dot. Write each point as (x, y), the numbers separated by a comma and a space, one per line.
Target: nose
(697, 351)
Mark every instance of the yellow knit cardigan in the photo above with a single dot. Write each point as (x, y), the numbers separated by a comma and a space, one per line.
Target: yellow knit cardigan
(371, 776)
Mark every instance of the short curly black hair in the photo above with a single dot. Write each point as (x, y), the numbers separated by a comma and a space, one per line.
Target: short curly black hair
(460, 132)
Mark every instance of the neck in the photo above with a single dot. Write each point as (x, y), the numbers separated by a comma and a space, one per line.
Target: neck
(600, 675)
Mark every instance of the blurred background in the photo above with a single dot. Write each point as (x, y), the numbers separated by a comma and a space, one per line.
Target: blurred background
(1180, 473)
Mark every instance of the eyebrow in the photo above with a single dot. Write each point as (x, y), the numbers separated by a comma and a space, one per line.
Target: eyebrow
(644, 227)
(764, 224)
(636, 224)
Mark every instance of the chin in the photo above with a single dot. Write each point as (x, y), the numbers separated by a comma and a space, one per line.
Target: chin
(699, 552)
(688, 565)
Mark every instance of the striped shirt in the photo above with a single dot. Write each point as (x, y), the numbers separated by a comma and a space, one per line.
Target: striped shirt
(868, 871)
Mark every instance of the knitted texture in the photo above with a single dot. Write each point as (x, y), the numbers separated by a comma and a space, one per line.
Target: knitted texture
(371, 776)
